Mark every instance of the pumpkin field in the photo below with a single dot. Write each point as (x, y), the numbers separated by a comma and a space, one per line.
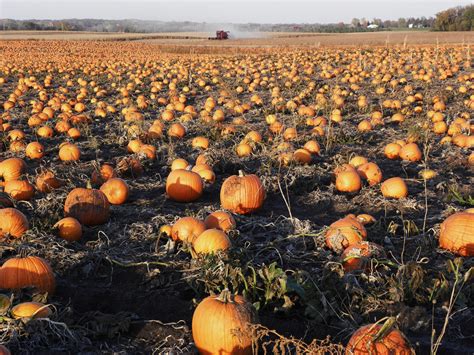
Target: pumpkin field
(284, 199)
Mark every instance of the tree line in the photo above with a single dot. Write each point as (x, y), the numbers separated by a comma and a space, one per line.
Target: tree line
(454, 19)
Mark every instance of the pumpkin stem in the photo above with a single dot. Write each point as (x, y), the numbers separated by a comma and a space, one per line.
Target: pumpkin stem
(241, 173)
(384, 330)
(89, 185)
(226, 296)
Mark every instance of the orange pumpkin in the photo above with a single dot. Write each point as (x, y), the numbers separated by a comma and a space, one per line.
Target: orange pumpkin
(457, 233)
(20, 190)
(220, 325)
(302, 156)
(344, 233)
(116, 190)
(392, 150)
(179, 164)
(89, 206)
(242, 194)
(32, 271)
(69, 152)
(105, 173)
(12, 222)
(184, 185)
(220, 220)
(34, 150)
(47, 181)
(348, 181)
(211, 241)
(410, 152)
(186, 229)
(357, 256)
(394, 188)
(366, 341)
(12, 168)
(371, 172)
(69, 229)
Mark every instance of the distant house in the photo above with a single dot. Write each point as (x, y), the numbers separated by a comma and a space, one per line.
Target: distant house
(412, 25)
(373, 26)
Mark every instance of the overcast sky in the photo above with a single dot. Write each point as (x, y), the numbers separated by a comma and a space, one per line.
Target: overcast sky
(260, 11)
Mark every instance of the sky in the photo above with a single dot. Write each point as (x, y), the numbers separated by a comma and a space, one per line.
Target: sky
(243, 11)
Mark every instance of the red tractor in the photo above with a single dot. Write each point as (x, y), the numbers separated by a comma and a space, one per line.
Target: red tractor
(221, 35)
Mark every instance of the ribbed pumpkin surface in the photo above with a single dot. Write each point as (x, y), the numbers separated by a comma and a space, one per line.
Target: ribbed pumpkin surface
(457, 234)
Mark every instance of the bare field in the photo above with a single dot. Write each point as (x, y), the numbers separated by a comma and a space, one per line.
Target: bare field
(265, 39)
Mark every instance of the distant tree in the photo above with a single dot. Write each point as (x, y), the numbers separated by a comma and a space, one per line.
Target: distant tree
(355, 22)
(455, 19)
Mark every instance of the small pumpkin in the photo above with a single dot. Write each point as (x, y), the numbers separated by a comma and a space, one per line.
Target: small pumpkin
(46, 182)
(348, 181)
(69, 152)
(220, 220)
(89, 206)
(211, 241)
(357, 256)
(457, 233)
(12, 169)
(186, 229)
(20, 190)
(394, 188)
(105, 173)
(34, 150)
(344, 233)
(242, 194)
(371, 172)
(366, 340)
(411, 152)
(13, 223)
(31, 310)
(184, 186)
(220, 325)
(179, 163)
(31, 271)
(392, 150)
(116, 190)
(302, 156)
(69, 229)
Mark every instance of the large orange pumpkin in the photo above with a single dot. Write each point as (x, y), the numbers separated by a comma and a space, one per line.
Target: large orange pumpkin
(32, 271)
(184, 185)
(242, 194)
(457, 234)
(12, 222)
(365, 341)
(4, 350)
(89, 206)
(220, 325)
